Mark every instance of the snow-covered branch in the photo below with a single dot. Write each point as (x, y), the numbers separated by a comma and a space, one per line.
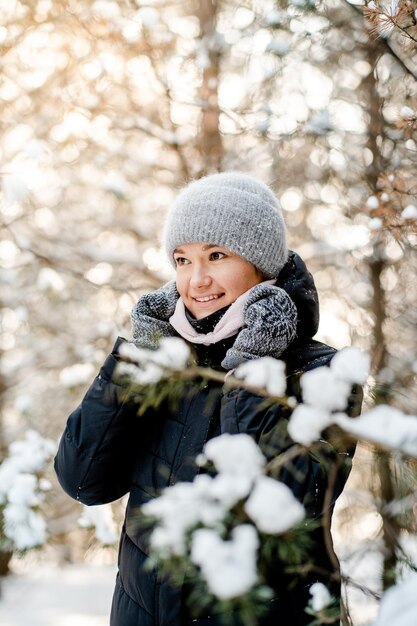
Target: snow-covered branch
(216, 524)
(22, 489)
(325, 392)
(221, 521)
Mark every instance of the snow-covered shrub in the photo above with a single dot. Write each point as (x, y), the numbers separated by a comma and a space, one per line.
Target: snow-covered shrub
(22, 489)
(326, 391)
(150, 366)
(325, 394)
(101, 519)
(214, 530)
(154, 375)
(266, 372)
(320, 597)
(214, 527)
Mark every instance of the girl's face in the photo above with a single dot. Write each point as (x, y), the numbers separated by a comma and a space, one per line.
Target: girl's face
(210, 277)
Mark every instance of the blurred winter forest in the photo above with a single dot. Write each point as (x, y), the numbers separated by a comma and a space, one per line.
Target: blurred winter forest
(109, 107)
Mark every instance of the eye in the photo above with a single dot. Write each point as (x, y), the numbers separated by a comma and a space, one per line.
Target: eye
(181, 260)
(217, 256)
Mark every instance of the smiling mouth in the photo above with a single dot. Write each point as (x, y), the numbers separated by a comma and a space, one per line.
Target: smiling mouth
(208, 298)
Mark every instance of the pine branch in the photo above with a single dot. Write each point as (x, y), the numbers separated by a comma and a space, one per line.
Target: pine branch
(385, 44)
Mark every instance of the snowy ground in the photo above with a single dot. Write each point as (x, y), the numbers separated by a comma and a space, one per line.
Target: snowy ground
(80, 595)
(66, 596)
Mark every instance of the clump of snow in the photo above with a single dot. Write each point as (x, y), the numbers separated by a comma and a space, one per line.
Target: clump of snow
(44, 484)
(50, 279)
(150, 366)
(179, 509)
(267, 373)
(376, 223)
(21, 490)
(279, 47)
(235, 455)
(307, 423)
(275, 18)
(394, 7)
(410, 212)
(228, 489)
(407, 112)
(399, 604)
(24, 527)
(202, 57)
(372, 202)
(320, 597)
(148, 374)
(351, 365)
(263, 125)
(101, 519)
(191, 516)
(229, 567)
(272, 506)
(77, 374)
(384, 425)
(326, 390)
(206, 500)
(26, 456)
(149, 17)
(322, 389)
(173, 353)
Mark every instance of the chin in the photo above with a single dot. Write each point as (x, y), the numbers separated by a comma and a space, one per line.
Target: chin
(200, 314)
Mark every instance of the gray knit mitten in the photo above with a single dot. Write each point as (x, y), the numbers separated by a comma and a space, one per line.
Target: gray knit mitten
(270, 318)
(151, 314)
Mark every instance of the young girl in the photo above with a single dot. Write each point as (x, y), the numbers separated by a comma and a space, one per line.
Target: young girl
(239, 294)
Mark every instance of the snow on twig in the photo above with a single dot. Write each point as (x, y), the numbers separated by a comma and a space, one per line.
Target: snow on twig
(21, 490)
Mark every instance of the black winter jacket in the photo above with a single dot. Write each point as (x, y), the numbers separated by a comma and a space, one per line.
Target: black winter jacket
(107, 451)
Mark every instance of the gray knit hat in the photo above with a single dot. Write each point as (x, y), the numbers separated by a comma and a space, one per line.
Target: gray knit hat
(232, 210)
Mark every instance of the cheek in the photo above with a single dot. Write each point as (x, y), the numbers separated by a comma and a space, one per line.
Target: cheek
(181, 285)
(241, 282)
(236, 286)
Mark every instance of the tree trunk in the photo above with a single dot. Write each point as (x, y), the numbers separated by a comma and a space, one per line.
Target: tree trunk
(377, 265)
(211, 146)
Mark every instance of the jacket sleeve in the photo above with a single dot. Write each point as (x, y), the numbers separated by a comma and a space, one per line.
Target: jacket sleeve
(97, 449)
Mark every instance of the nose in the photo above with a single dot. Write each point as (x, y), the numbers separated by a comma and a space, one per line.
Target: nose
(200, 276)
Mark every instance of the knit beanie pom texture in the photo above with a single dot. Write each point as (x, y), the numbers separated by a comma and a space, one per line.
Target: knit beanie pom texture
(234, 211)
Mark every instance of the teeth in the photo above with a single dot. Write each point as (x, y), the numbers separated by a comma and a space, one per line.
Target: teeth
(206, 299)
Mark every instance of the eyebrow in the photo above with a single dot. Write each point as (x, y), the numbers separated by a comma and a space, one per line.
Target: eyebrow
(206, 247)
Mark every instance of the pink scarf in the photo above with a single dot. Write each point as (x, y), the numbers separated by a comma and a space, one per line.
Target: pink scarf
(228, 326)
